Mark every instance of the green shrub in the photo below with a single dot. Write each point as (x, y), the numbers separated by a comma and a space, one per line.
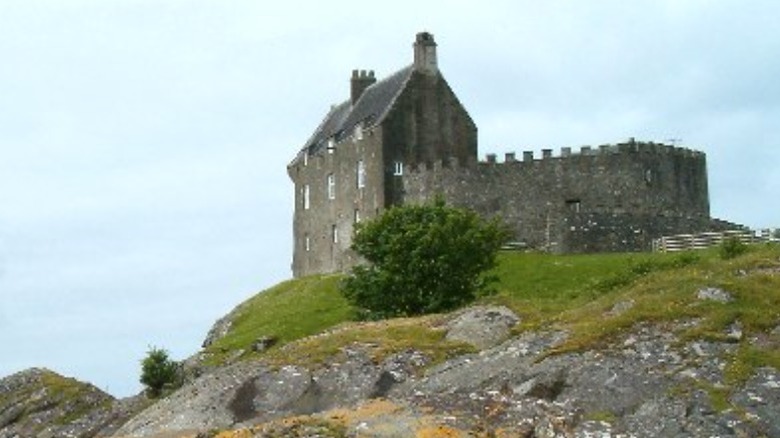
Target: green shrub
(422, 259)
(731, 248)
(158, 372)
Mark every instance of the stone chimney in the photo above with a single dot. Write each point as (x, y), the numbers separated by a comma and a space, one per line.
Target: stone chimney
(425, 53)
(359, 82)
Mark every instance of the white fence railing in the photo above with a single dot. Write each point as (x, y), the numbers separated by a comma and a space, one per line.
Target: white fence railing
(685, 242)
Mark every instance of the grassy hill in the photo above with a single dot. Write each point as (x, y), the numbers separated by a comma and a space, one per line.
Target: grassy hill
(572, 292)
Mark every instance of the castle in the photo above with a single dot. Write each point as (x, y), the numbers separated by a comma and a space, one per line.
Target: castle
(407, 138)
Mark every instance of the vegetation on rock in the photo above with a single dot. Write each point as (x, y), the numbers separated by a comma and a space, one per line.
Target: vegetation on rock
(158, 371)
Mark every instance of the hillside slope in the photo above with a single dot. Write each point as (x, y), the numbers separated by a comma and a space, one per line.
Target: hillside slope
(591, 345)
(649, 345)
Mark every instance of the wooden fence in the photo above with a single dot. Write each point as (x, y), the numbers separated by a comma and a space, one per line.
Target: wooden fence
(685, 242)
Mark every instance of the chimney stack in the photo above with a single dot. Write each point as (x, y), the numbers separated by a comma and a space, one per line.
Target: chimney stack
(425, 53)
(359, 82)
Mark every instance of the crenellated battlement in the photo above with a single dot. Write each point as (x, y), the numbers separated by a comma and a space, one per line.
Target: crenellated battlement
(633, 149)
(629, 147)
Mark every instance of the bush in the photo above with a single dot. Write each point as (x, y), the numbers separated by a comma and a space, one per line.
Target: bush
(158, 371)
(731, 248)
(422, 259)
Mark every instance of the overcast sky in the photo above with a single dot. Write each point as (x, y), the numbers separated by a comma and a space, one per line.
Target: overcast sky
(143, 143)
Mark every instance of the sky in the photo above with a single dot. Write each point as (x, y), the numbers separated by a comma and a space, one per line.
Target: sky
(144, 143)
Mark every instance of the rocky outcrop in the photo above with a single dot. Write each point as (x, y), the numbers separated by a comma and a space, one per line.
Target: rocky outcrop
(647, 382)
(40, 403)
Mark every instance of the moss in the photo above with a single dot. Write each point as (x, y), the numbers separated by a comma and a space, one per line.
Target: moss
(747, 359)
(382, 339)
(603, 416)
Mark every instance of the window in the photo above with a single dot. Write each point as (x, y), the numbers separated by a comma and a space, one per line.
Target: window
(357, 216)
(361, 174)
(331, 186)
(334, 233)
(305, 196)
(398, 168)
(359, 131)
(305, 158)
(573, 205)
(331, 145)
(307, 243)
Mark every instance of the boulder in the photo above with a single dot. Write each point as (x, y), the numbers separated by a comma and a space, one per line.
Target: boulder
(714, 294)
(482, 327)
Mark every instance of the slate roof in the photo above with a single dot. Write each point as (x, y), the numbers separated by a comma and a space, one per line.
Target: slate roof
(371, 108)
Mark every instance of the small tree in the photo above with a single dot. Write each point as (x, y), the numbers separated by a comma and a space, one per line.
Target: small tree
(731, 248)
(422, 259)
(158, 371)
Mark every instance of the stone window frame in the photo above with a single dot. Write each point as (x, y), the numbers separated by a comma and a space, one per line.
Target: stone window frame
(331, 145)
(360, 171)
(398, 168)
(356, 216)
(334, 233)
(306, 197)
(331, 186)
(306, 242)
(574, 205)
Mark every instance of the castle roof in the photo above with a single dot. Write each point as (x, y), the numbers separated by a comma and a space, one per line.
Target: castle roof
(370, 109)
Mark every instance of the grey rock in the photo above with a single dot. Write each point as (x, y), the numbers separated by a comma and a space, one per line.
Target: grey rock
(760, 398)
(219, 330)
(482, 327)
(734, 331)
(644, 384)
(621, 307)
(714, 294)
(264, 343)
(40, 403)
(245, 394)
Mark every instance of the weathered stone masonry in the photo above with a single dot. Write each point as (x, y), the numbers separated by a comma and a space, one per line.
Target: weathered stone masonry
(614, 198)
(407, 137)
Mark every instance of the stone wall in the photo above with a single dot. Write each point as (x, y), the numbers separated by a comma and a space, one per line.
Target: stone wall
(611, 198)
(325, 252)
(426, 124)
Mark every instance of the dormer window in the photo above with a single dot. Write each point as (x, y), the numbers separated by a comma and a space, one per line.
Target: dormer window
(359, 131)
(305, 158)
(398, 168)
(331, 145)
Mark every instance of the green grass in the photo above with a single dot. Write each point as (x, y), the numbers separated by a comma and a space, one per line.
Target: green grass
(287, 312)
(570, 292)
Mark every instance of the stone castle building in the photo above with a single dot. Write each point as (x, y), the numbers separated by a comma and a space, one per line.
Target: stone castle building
(407, 138)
